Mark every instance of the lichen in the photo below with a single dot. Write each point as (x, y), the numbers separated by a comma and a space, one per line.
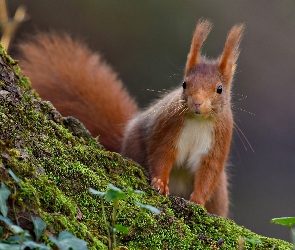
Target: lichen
(57, 162)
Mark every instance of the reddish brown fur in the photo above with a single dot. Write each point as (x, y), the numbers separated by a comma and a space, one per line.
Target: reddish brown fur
(218, 202)
(210, 178)
(161, 124)
(210, 181)
(201, 32)
(162, 157)
(134, 145)
(79, 84)
(227, 62)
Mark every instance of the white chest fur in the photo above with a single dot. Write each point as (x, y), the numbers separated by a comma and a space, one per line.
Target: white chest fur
(194, 141)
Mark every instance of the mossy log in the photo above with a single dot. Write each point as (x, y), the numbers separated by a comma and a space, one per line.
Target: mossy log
(57, 161)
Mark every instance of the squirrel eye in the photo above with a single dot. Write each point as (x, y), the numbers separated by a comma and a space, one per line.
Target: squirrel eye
(184, 85)
(219, 89)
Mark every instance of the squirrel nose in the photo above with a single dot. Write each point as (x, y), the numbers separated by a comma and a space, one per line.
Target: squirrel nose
(198, 104)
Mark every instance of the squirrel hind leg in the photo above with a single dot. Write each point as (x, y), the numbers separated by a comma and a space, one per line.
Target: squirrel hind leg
(219, 202)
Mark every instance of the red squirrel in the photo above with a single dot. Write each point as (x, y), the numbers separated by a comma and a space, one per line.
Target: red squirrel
(182, 139)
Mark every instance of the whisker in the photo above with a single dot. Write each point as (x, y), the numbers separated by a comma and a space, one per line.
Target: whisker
(163, 91)
(152, 112)
(237, 118)
(243, 97)
(249, 144)
(242, 141)
(167, 106)
(244, 110)
(176, 109)
(185, 109)
(173, 75)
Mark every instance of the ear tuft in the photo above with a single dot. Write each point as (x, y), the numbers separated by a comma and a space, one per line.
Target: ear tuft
(201, 32)
(231, 51)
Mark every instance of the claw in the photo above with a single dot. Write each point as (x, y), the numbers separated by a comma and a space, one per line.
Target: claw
(160, 186)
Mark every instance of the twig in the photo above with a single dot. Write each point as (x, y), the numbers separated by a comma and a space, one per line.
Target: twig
(9, 26)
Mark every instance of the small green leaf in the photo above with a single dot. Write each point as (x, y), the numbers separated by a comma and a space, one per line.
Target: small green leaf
(254, 241)
(100, 194)
(111, 186)
(285, 221)
(56, 242)
(14, 176)
(148, 207)
(121, 229)
(14, 239)
(16, 229)
(1, 232)
(39, 227)
(6, 220)
(4, 246)
(130, 191)
(34, 245)
(66, 241)
(139, 192)
(115, 195)
(4, 194)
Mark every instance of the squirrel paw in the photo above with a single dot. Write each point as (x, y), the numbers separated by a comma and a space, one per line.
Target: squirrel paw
(160, 186)
(196, 199)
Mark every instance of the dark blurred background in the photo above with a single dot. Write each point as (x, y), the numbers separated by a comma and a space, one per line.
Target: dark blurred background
(147, 42)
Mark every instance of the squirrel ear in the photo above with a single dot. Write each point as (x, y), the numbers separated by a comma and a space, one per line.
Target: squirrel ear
(201, 32)
(230, 54)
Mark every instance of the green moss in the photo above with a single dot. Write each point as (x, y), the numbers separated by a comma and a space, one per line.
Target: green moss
(57, 168)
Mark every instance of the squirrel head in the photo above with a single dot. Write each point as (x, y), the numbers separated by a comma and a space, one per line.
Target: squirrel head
(207, 83)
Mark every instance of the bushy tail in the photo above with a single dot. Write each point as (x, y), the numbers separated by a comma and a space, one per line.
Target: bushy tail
(79, 84)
